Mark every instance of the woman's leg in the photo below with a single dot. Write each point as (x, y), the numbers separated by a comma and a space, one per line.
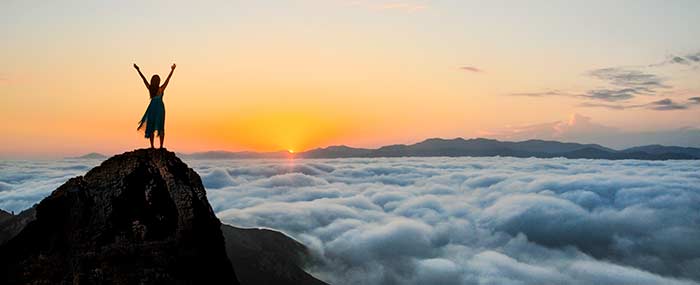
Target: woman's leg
(162, 137)
(151, 139)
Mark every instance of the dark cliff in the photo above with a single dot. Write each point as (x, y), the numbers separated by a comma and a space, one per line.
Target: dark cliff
(262, 256)
(141, 217)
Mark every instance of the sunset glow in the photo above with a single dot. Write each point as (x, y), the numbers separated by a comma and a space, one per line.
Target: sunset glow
(296, 75)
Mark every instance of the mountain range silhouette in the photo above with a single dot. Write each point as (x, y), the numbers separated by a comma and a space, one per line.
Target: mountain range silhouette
(478, 147)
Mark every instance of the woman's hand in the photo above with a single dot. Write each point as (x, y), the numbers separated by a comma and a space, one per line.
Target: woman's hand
(172, 67)
(136, 66)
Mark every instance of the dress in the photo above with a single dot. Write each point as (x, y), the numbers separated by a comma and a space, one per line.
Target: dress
(154, 118)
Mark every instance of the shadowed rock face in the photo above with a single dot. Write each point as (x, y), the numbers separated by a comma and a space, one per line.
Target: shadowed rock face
(262, 256)
(140, 217)
(10, 224)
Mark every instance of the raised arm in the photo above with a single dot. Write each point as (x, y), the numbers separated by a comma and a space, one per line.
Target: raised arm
(142, 77)
(165, 84)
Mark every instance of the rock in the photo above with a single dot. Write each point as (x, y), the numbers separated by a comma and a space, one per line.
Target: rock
(4, 216)
(11, 225)
(141, 217)
(262, 256)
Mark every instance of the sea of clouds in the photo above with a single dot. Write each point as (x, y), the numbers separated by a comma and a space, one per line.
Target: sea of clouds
(451, 220)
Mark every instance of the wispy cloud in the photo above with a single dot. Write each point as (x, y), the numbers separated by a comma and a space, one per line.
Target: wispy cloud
(622, 86)
(626, 84)
(614, 99)
(544, 94)
(470, 68)
(611, 95)
(687, 59)
(628, 78)
(665, 104)
(608, 105)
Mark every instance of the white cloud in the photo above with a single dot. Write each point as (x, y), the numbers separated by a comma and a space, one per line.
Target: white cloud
(23, 183)
(452, 220)
(583, 129)
(479, 220)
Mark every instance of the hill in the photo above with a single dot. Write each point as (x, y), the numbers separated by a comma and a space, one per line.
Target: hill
(531, 148)
(92, 155)
(478, 147)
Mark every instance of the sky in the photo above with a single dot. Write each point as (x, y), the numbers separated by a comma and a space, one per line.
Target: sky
(273, 75)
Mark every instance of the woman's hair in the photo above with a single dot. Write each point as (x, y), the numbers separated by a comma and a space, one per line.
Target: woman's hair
(154, 86)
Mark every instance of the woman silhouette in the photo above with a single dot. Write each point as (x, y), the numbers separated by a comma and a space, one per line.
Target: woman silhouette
(154, 118)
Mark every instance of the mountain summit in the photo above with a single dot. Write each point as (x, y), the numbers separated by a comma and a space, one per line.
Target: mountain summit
(139, 217)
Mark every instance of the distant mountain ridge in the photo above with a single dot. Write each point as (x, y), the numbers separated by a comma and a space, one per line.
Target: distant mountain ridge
(92, 155)
(477, 147)
(220, 154)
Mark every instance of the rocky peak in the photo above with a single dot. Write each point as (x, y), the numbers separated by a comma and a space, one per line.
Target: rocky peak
(139, 217)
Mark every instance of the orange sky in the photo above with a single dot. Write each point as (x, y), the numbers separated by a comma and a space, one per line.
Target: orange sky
(302, 74)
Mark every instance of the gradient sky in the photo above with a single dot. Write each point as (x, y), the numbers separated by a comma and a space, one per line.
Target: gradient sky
(269, 75)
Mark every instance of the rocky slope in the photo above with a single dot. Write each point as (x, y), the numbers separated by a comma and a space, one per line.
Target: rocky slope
(141, 217)
(262, 256)
(11, 225)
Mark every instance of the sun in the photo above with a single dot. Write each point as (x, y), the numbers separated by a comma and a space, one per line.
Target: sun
(290, 151)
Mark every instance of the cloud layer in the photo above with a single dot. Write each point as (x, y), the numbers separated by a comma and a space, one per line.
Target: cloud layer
(24, 183)
(452, 220)
(474, 220)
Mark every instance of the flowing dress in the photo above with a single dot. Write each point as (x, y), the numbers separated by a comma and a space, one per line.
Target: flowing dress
(154, 118)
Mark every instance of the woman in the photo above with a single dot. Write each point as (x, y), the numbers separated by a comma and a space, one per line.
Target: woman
(154, 118)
